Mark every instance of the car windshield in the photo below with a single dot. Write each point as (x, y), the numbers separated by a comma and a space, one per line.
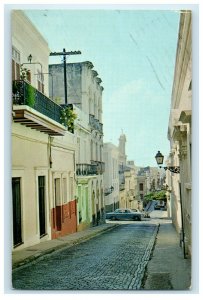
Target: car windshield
(121, 211)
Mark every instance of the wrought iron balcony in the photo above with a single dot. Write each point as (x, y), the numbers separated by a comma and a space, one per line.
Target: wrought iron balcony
(94, 124)
(95, 168)
(35, 110)
(100, 166)
(86, 169)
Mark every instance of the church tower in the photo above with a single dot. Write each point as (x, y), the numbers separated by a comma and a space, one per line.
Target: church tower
(121, 148)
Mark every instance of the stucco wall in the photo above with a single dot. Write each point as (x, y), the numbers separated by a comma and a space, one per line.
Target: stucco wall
(27, 40)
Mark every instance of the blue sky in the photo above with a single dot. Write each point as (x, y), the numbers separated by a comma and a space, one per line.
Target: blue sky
(133, 52)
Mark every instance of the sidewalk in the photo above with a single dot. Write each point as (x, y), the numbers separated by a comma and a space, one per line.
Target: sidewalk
(24, 256)
(167, 269)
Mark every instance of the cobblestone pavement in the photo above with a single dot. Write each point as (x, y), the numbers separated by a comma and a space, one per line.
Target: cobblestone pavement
(114, 260)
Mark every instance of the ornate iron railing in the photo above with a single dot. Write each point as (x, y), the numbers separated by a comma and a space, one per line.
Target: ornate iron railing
(100, 166)
(94, 123)
(25, 94)
(95, 168)
(86, 169)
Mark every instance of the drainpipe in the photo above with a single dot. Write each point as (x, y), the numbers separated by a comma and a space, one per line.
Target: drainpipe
(182, 221)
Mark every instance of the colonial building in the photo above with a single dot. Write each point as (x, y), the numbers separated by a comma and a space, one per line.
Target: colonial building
(132, 197)
(84, 92)
(180, 134)
(43, 150)
(111, 177)
(128, 197)
(142, 184)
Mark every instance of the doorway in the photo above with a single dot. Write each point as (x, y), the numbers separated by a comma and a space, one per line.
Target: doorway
(42, 212)
(17, 221)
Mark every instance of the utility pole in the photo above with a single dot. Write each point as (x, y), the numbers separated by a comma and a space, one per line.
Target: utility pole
(64, 53)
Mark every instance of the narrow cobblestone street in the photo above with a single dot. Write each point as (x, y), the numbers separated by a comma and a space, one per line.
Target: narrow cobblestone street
(114, 260)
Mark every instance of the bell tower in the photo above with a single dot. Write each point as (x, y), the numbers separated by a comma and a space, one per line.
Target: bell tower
(121, 148)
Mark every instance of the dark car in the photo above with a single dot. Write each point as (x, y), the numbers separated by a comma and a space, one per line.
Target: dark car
(124, 214)
(157, 207)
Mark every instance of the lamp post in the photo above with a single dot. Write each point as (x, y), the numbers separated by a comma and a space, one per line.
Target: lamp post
(32, 63)
(160, 158)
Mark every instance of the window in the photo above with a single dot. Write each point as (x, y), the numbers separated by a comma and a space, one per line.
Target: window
(141, 186)
(96, 152)
(91, 150)
(78, 152)
(57, 191)
(58, 216)
(65, 194)
(71, 188)
(15, 64)
(40, 81)
(190, 86)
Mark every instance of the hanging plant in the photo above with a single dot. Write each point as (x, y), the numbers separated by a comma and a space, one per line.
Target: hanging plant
(30, 99)
(68, 117)
(24, 72)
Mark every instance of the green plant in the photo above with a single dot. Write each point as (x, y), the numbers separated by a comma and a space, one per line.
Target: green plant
(68, 117)
(24, 73)
(30, 99)
(161, 195)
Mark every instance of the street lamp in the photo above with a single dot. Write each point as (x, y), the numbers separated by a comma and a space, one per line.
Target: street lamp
(29, 58)
(160, 158)
(32, 63)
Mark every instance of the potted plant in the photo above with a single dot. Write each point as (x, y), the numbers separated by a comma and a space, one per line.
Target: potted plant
(68, 117)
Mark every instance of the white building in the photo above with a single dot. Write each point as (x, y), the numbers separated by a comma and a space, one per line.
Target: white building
(84, 92)
(43, 151)
(180, 134)
(131, 195)
(111, 177)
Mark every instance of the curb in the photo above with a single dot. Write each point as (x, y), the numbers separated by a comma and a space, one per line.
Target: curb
(39, 254)
(140, 272)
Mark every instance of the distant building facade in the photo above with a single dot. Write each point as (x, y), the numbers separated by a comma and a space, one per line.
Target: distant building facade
(111, 177)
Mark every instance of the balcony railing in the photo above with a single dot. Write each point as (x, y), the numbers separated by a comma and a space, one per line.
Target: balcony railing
(95, 168)
(94, 123)
(100, 166)
(25, 94)
(86, 169)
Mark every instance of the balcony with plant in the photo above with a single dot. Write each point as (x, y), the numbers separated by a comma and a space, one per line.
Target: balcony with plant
(34, 109)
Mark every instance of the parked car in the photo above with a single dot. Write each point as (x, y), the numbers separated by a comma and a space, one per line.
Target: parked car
(144, 213)
(124, 214)
(157, 207)
(160, 206)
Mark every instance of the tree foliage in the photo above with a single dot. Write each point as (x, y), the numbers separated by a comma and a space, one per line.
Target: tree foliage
(160, 195)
